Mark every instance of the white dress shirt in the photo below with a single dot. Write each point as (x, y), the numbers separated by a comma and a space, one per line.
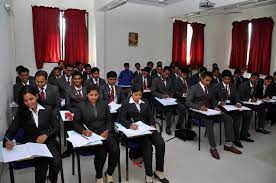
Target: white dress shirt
(35, 114)
(131, 101)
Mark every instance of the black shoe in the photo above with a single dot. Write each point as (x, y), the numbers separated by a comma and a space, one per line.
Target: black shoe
(179, 127)
(262, 130)
(168, 131)
(164, 180)
(238, 144)
(246, 139)
(248, 134)
(66, 154)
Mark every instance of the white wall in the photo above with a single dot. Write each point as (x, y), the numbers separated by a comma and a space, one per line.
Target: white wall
(148, 22)
(24, 31)
(6, 71)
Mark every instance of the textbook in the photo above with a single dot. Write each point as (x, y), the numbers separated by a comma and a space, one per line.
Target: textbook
(209, 112)
(234, 108)
(79, 140)
(166, 101)
(25, 151)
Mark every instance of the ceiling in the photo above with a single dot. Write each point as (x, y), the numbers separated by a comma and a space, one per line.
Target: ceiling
(158, 3)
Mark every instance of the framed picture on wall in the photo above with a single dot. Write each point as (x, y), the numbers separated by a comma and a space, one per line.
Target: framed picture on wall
(133, 39)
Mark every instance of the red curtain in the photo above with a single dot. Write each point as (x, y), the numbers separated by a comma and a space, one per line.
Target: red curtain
(46, 35)
(76, 36)
(179, 47)
(239, 45)
(197, 45)
(260, 47)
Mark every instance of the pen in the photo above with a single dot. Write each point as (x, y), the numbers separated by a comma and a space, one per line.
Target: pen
(7, 138)
(84, 137)
(86, 127)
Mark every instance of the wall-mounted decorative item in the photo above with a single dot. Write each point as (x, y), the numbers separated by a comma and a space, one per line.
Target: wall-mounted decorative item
(133, 39)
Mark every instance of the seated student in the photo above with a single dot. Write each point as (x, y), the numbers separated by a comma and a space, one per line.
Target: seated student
(138, 70)
(95, 79)
(197, 77)
(200, 97)
(226, 93)
(144, 81)
(157, 71)
(134, 109)
(190, 69)
(61, 67)
(265, 90)
(248, 92)
(237, 78)
(25, 79)
(75, 93)
(274, 77)
(162, 87)
(18, 68)
(181, 84)
(56, 75)
(216, 75)
(126, 76)
(87, 72)
(175, 73)
(110, 92)
(48, 94)
(65, 81)
(94, 114)
(40, 126)
(79, 67)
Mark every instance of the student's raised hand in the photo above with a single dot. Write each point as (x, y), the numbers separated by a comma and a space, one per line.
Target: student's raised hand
(9, 144)
(41, 139)
(105, 134)
(203, 108)
(133, 126)
(87, 133)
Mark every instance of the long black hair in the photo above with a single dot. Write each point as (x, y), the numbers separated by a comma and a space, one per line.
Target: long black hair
(23, 109)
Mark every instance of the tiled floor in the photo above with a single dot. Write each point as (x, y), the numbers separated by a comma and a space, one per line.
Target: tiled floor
(184, 163)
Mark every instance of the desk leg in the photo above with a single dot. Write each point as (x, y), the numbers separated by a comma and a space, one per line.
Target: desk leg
(73, 162)
(119, 171)
(61, 173)
(11, 172)
(162, 121)
(126, 163)
(64, 133)
(79, 168)
(256, 120)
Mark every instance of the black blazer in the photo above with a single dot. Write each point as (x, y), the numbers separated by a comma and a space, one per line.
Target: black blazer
(136, 73)
(62, 85)
(244, 91)
(52, 101)
(18, 87)
(180, 88)
(260, 87)
(47, 124)
(130, 112)
(195, 79)
(85, 115)
(158, 88)
(88, 82)
(105, 90)
(72, 98)
(220, 93)
(138, 81)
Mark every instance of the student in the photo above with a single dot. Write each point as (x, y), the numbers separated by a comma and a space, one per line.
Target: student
(56, 75)
(48, 94)
(39, 126)
(265, 90)
(274, 77)
(61, 67)
(197, 77)
(94, 114)
(215, 65)
(181, 84)
(157, 71)
(126, 76)
(18, 68)
(76, 93)
(216, 75)
(65, 81)
(237, 78)
(87, 72)
(134, 109)
(95, 79)
(79, 67)
(162, 87)
(110, 92)
(138, 70)
(226, 93)
(190, 69)
(150, 65)
(25, 79)
(248, 92)
(200, 97)
(175, 73)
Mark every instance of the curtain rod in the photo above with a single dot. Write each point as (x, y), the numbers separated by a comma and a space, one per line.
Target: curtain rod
(61, 9)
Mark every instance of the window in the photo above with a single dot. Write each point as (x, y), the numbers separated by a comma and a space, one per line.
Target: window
(62, 27)
(249, 42)
(189, 40)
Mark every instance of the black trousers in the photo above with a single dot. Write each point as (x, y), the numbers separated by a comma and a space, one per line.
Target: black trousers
(181, 109)
(156, 140)
(110, 146)
(237, 119)
(246, 120)
(41, 164)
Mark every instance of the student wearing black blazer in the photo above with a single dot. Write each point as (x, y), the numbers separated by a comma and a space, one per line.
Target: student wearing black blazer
(48, 94)
(25, 79)
(55, 76)
(134, 109)
(95, 79)
(40, 126)
(65, 81)
(94, 114)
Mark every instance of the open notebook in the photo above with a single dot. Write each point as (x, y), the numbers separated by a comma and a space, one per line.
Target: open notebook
(143, 129)
(25, 151)
(78, 140)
